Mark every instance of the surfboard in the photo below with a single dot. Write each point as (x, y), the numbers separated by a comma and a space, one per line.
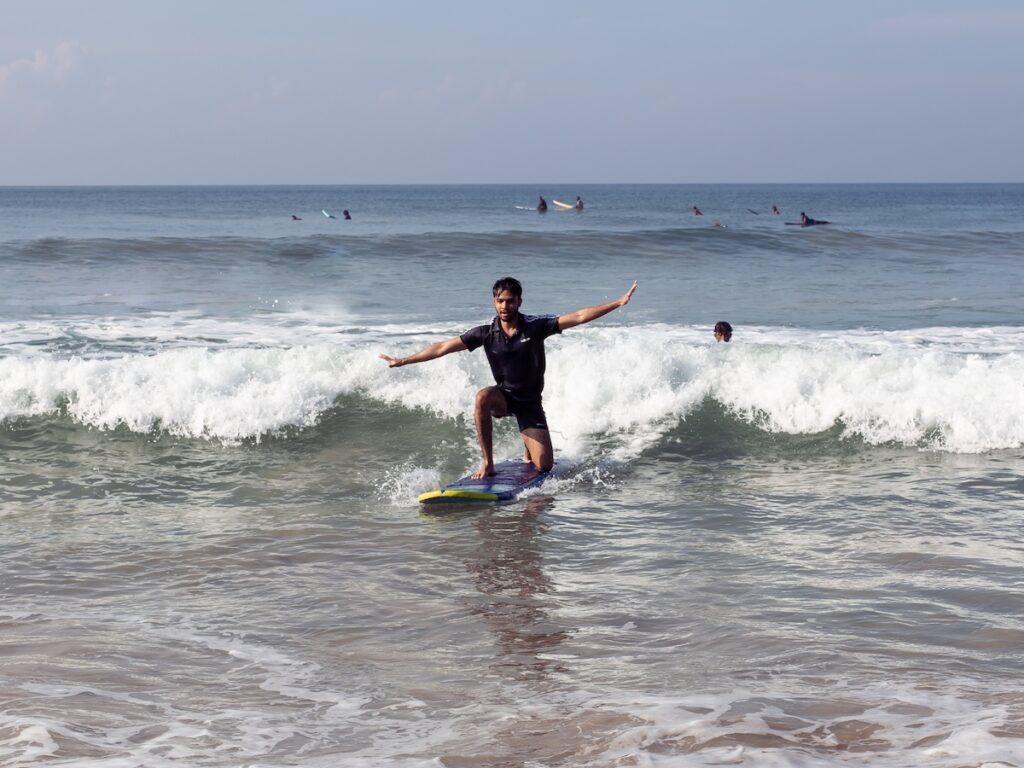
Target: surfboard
(510, 479)
(560, 204)
(325, 213)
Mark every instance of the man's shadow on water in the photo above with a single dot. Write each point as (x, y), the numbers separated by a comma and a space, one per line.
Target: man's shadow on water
(508, 573)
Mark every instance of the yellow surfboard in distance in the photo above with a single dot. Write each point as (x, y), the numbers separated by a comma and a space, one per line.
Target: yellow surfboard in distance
(560, 204)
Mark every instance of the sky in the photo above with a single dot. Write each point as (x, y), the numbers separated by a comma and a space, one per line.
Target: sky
(413, 92)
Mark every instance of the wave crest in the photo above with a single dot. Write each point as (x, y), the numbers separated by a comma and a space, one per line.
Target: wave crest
(622, 389)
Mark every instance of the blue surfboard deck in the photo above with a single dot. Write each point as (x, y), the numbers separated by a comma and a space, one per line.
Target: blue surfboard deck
(510, 479)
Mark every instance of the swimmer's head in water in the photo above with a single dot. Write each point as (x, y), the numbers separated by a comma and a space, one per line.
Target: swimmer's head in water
(723, 331)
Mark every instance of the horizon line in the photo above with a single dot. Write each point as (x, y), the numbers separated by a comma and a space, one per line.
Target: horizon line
(508, 184)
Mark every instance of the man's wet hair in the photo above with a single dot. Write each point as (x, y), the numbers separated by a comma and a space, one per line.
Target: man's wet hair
(723, 328)
(509, 284)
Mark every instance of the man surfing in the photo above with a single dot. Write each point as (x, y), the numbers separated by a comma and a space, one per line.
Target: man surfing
(514, 345)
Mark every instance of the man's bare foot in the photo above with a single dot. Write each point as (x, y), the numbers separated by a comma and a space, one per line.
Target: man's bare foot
(487, 470)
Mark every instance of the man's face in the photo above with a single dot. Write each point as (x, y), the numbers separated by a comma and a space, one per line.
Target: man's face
(507, 305)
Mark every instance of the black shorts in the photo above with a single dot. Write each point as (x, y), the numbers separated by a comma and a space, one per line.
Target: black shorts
(529, 413)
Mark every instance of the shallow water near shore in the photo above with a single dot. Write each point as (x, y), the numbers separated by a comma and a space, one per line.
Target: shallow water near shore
(802, 548)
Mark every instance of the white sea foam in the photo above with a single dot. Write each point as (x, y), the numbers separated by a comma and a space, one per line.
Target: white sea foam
(958, 390)
(883, 725)
(407, 481)
(286, 676)
(159, 331)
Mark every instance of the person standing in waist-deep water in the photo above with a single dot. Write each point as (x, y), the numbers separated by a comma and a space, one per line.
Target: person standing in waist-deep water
(542, 206)
(514, 345)
(697, 211)
(579, 203)
(723, 331)
(347, 216)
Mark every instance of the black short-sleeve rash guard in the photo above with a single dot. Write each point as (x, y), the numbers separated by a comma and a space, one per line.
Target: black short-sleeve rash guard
(517, 361)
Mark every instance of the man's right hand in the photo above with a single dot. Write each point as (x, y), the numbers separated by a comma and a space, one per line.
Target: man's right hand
(628, 295)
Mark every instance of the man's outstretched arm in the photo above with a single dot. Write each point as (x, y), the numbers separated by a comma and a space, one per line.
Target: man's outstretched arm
(432, 352)
(581, 316)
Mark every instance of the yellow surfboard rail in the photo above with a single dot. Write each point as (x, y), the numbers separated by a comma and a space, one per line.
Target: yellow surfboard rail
(437, 497)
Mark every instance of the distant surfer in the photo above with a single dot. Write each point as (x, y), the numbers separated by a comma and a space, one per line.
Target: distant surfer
(776, 211)
(697, 211)
(296, 218)
(807, 221)
(723, 331)
(514, 345)
(579, 203)
(347, 216)
(542, 206)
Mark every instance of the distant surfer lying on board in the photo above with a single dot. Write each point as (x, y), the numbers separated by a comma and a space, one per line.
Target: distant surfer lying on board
(807, 221)
(514, 345)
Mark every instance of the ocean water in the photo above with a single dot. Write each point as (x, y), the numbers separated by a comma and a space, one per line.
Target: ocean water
(802, 548)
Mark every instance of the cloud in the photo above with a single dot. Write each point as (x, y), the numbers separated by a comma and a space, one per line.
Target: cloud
(54, 65)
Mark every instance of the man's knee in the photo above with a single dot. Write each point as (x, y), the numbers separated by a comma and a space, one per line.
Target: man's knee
(538, 446)
(543, 459)
(490, 400)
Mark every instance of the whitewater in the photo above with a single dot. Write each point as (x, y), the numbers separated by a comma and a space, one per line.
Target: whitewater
(937, 388)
